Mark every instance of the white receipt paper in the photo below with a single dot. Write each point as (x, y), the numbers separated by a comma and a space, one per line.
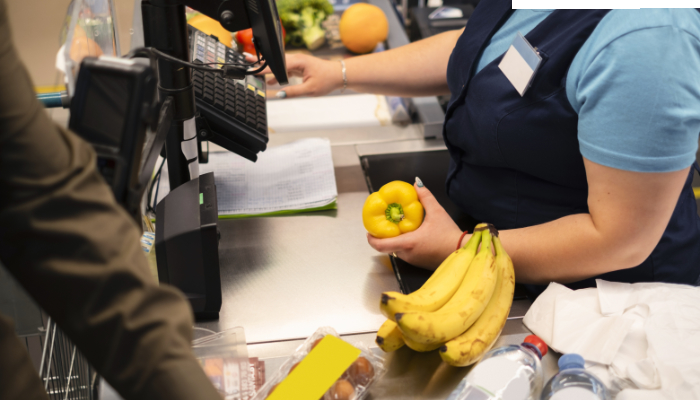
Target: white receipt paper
(294, 176)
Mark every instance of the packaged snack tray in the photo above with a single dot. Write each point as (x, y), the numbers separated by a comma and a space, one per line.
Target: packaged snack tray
(224, 358)
(365, 368)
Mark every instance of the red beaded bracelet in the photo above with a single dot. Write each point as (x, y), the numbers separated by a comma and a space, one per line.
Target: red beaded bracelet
(460, 239)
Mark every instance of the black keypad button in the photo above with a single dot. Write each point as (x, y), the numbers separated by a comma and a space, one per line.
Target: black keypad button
(251, 120)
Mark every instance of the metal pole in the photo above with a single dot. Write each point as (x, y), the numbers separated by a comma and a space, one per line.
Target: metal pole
(165, 28)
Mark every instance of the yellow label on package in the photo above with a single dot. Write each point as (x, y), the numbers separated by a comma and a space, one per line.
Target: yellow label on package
(251, 87)
(261, 93)
(317, 371)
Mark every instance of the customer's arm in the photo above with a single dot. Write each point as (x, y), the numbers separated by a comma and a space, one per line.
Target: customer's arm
(416, 69)
(77, 252)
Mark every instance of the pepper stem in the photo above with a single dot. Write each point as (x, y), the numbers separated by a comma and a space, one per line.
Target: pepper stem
(394, 213)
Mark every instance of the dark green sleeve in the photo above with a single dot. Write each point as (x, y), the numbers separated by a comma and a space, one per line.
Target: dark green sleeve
(77, 252)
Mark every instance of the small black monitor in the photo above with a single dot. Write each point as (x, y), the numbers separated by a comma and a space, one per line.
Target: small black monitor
(261, 15)
(107, 98)
(109, 110)
(267, 35)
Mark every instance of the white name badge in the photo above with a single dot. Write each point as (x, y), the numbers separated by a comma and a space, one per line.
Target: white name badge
(520, 63)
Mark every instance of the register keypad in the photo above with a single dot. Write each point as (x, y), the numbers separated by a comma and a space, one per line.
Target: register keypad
(241, 100)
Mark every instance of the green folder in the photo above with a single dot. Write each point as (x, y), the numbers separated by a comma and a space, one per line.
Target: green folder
(330, 206)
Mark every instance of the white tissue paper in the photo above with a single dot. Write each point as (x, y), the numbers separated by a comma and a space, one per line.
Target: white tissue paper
(642, 340)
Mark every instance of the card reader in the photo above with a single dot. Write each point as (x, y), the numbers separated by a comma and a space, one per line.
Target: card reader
(187, 244)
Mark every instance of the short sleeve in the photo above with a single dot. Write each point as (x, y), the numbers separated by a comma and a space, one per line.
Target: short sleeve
(638, 99)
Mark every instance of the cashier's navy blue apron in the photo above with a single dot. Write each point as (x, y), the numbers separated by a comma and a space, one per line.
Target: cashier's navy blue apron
(515, 161)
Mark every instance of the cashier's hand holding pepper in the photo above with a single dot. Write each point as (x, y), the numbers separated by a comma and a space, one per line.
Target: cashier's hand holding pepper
(428, 245)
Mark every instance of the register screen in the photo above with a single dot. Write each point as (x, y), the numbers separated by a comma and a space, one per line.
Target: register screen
(106, 104)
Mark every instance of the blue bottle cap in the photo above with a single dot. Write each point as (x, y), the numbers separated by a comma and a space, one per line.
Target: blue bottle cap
(572, 360)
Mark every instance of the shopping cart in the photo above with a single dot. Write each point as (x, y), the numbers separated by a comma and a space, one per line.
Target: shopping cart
(64, 370)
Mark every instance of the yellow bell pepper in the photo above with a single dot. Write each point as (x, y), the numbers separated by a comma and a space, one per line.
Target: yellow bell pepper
(393, 210)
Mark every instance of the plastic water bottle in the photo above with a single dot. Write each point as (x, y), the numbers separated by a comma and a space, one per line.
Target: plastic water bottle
(506, 373)
(572, 382)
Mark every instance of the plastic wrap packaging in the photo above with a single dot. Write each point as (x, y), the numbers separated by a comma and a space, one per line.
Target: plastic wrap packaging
(224, 358)
(351, 385)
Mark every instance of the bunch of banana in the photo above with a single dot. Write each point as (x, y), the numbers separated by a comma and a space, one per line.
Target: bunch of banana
(469, 347)
(434, 293)
(461, 309)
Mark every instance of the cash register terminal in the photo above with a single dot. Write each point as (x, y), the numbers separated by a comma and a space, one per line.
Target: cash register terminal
(202, 89)
(196, 74)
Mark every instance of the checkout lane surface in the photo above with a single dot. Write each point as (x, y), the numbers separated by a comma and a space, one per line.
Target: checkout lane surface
(283, 277)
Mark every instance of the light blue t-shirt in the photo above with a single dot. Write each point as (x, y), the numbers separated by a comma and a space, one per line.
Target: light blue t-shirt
(635, 85)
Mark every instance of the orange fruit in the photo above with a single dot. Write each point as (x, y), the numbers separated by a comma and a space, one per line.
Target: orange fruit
(363, 26)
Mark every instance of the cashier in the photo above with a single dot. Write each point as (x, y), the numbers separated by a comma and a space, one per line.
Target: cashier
(77, 254)
(588, 173)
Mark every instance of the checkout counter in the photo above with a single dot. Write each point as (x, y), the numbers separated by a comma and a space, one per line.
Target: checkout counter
(283, 277)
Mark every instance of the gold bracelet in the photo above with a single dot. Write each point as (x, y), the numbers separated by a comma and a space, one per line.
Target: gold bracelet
(345, 78)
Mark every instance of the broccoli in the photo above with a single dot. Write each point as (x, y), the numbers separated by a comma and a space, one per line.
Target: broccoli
(302, 21)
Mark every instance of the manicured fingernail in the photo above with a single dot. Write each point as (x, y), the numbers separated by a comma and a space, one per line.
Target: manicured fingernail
(419, 182)
(281, 94)
(248, 54)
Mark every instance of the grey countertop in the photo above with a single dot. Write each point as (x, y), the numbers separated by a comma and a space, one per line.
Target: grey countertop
(283, 277)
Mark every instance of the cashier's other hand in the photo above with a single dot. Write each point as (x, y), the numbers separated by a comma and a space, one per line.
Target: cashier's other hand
(319, 76)
(428, 245)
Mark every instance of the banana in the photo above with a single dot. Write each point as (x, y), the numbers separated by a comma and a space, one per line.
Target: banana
(421, 347)
(389, 337)
(460, 312)
(470, 346)
(438, 290)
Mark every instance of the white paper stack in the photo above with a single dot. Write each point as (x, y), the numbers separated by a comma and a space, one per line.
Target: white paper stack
(327, 112)
(294, 177)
